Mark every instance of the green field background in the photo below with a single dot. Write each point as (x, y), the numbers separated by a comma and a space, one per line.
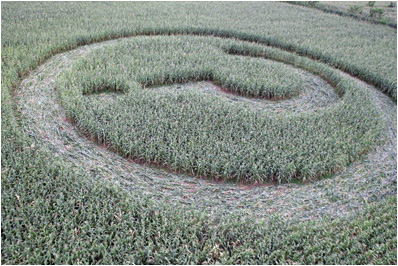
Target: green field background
(53, 213)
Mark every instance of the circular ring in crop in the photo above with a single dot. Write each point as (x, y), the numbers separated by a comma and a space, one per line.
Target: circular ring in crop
(207, 136)
(46, 122)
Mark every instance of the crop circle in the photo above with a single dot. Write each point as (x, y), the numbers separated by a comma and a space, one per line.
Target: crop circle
(205, 135)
